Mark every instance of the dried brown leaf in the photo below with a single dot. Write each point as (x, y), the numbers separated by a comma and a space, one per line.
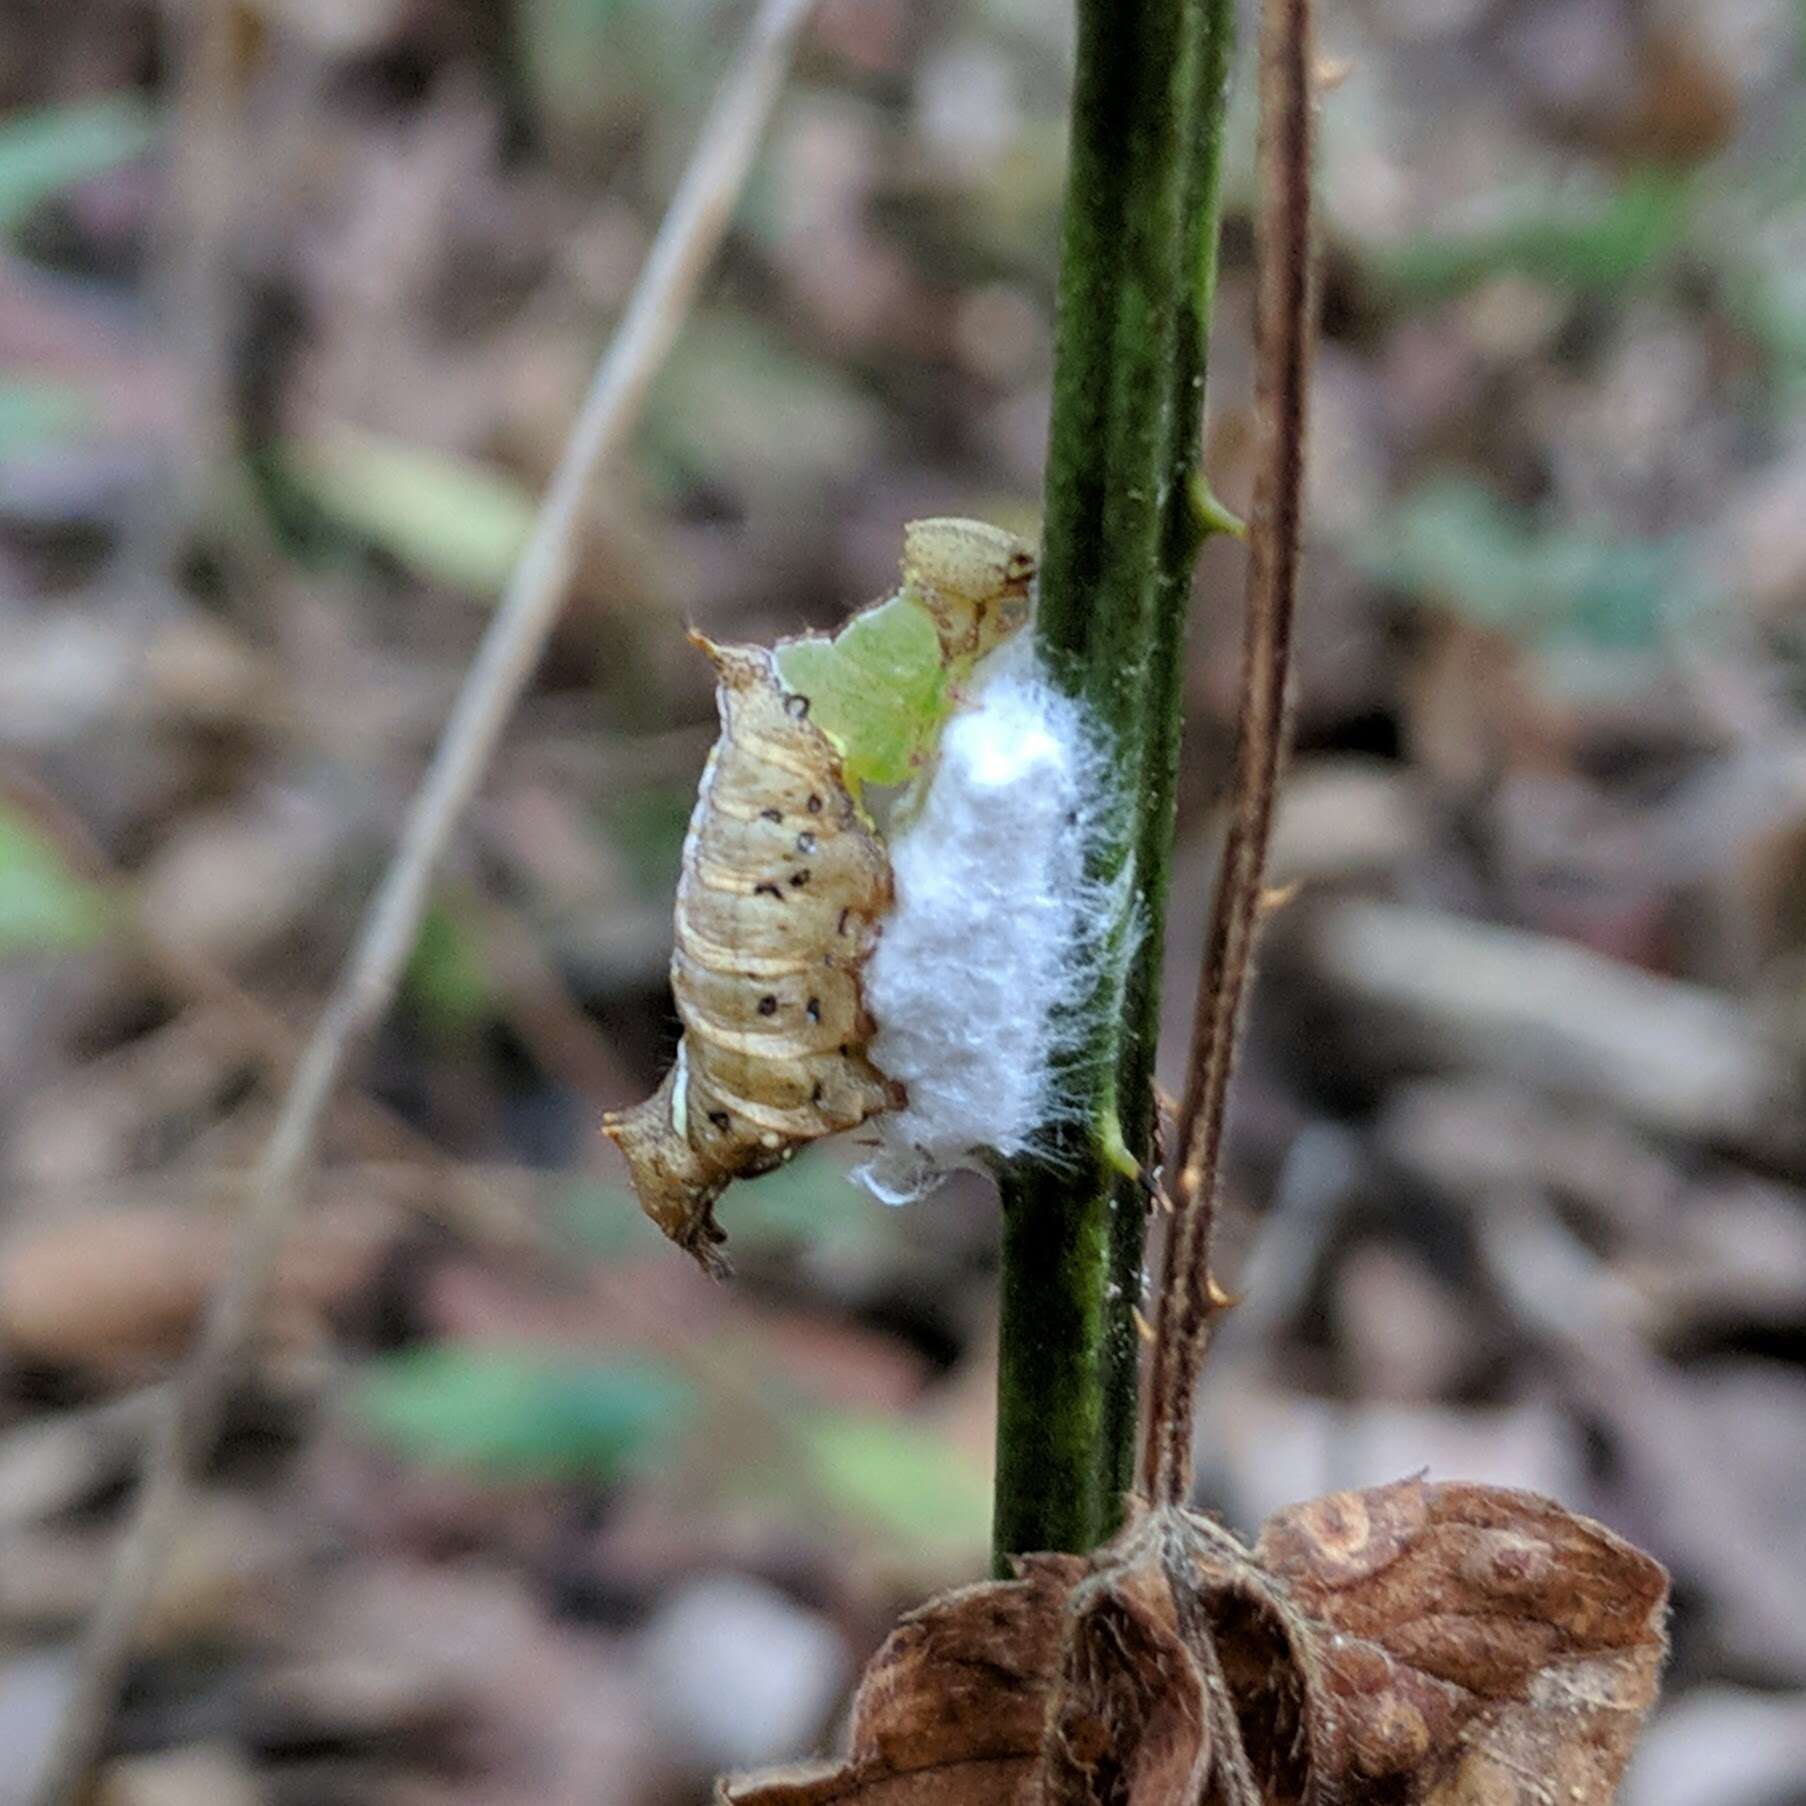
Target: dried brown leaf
(1127, 1720)
(951, 1709)
(1477, 1646)
(119, 1291)
(1412, 1645)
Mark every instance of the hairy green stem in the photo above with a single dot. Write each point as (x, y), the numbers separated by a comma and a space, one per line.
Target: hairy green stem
(1122, 527)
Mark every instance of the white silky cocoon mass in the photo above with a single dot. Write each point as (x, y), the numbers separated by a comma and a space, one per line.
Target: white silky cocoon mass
(977, 954)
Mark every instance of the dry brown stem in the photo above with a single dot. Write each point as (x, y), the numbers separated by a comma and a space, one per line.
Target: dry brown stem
(1188, 1297)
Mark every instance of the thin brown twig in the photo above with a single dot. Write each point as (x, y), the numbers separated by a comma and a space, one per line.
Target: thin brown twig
(686, 242)
(1189, 1296)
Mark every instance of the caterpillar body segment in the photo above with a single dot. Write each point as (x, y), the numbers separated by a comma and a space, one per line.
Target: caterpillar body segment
(782, 888)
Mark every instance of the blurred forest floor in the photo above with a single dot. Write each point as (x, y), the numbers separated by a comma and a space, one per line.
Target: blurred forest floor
(517, 1507)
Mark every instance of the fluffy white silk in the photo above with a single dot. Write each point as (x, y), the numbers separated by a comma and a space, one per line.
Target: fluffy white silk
(974, 978)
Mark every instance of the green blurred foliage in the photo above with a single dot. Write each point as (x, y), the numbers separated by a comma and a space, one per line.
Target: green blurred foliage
(520, 1414)
(448, 519)
(447, 978)
(531, 1416)
(809, 1202)
(1735, 224)
(646, 827)
(40, 411)
(1456, 545)
(45, 151)
(42, 153)
(1752, 238)
(738, 408)
(44, 906)
(911, 1484)
(591, 66)
(1594, 246)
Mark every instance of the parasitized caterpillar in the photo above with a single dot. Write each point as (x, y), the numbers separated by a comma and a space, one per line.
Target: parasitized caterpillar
(785, 878)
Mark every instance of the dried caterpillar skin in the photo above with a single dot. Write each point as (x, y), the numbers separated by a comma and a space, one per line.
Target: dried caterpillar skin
(782, 887)
(973, 578)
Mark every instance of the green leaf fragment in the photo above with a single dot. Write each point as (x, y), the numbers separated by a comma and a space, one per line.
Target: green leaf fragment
(1600, 246)
(35, 413)
(519, 1413)
(447, 975)
(740, 408)
(807, 1203)
(44, 151)
(879, 689)
(901, 1477)
(1552, 586)
(448, 519)
(43, 904)
(646, 827)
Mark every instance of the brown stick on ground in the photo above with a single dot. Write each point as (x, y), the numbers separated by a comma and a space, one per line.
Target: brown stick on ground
(185, 1430)
(1189, 1297)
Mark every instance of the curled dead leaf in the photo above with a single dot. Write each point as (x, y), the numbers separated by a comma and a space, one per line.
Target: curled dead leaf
(1526, 1641)
(951, 1708)
(1127, 1717)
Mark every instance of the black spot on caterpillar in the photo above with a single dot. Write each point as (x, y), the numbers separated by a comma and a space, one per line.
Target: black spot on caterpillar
(773, 1050)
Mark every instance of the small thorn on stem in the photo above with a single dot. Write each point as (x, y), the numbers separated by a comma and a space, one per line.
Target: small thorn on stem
(1211, 514)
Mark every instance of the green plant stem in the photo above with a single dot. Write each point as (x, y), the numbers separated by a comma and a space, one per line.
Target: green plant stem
(1122, 528)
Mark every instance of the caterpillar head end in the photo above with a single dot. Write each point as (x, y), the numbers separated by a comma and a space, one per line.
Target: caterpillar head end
(976, 580)
(668, 1179)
